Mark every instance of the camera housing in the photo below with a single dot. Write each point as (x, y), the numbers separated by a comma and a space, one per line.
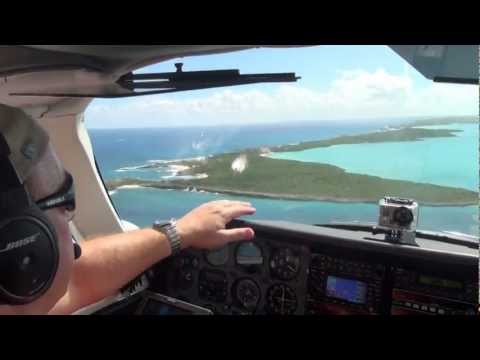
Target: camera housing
(398, 214)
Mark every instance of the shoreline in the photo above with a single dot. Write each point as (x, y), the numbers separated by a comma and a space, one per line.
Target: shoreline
(263, 195)
(332, 184)
(404, 134)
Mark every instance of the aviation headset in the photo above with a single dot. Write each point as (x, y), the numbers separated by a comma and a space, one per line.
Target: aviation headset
(29, 254)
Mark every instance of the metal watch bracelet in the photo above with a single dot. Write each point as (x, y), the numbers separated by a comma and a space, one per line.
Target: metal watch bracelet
(170, 231)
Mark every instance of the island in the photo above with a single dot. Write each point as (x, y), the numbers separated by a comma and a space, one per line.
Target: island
(264, 177)
(447, 120)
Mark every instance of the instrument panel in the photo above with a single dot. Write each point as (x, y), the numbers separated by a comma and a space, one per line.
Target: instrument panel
(261, 277)
(288, 274)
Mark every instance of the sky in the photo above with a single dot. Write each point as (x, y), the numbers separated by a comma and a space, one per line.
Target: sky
(353, 83)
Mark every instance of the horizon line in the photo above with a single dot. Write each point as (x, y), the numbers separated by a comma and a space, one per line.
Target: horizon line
(164, 126)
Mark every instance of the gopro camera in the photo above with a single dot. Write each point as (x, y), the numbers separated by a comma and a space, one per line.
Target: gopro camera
(398, 214)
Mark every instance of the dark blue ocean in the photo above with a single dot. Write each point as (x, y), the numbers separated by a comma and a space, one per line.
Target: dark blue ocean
(122, 153)
(127, 148)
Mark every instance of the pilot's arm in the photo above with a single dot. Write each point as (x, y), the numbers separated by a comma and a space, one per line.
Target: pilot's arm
(108, 263)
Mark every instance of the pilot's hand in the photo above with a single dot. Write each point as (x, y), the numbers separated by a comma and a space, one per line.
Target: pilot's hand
(204, 227)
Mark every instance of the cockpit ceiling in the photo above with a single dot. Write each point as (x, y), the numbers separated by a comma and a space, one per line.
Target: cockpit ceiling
(104, 63)
(112, 59)
(101, 66)
(433, 61)
(443, 63)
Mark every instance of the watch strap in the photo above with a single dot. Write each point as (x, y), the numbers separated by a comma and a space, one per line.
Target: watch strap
(169, 229)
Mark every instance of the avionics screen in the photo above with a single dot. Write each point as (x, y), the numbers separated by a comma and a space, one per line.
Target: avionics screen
(153, 307)
(349, 290)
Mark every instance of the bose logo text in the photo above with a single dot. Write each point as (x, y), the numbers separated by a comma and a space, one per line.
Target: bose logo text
(20, 243)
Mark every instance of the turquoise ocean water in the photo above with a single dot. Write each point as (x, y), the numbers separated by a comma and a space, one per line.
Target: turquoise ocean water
(447, 161)
(142, 206)
(443, 161)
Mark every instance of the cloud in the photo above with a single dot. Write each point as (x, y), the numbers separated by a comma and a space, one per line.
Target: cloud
(354, 94)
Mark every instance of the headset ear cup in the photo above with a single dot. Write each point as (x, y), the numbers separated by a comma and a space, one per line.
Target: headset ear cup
(29, 256)
(38, 214)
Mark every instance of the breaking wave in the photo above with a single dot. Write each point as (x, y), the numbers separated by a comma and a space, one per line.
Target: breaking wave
(162, 164)
(185, 177)
(168, 169)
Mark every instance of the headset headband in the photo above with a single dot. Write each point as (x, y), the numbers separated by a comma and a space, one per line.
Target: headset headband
(22, 140)
(22, 143)
(12, 191)
(9, 178)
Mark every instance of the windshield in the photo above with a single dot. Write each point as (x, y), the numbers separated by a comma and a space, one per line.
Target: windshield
(361, 124)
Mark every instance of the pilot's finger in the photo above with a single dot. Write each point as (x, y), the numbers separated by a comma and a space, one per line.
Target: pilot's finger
(245, 203)
(234, 203)
(237, 234)
(235, 211)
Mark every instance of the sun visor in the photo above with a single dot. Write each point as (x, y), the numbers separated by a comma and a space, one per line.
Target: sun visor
(457, 64)
(27, 141)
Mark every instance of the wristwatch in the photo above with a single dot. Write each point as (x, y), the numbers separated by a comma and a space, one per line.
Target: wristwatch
(169, 229)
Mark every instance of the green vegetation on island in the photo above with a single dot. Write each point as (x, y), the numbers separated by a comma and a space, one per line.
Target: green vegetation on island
(400, 135)
(445, 121)
(288, 179)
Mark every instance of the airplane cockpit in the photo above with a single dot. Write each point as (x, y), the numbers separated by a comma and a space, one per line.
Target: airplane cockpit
(389, 267)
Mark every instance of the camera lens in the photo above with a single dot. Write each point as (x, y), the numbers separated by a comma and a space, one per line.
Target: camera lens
(403, 216)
